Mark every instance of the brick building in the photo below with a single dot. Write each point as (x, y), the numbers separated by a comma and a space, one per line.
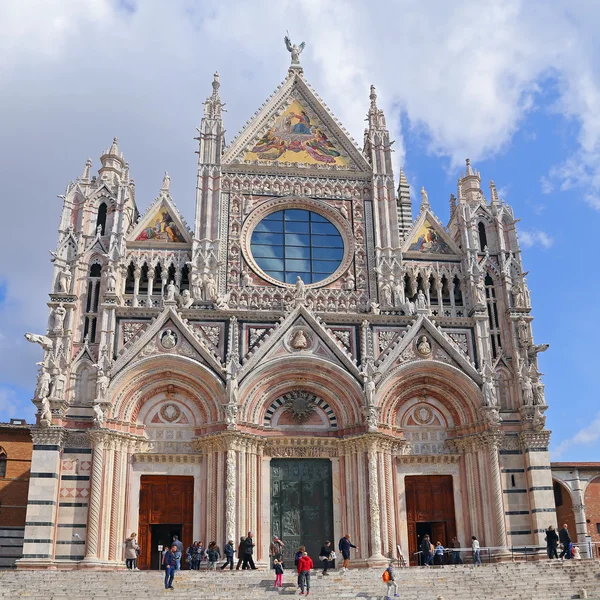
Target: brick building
(15, 464)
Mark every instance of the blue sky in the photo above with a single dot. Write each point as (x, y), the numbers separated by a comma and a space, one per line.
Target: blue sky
(513, 85)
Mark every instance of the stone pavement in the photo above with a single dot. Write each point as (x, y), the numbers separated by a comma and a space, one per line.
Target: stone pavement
(541, 580)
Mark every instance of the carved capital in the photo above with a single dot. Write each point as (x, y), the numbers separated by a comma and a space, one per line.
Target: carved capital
(47, 436)
(534, 439)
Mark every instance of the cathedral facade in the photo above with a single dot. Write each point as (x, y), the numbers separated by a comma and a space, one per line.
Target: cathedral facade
(305, 361)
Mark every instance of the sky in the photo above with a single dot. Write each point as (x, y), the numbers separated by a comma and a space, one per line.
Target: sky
(514, 86)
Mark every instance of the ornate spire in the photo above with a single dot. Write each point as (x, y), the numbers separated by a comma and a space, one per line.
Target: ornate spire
(85, 176)
(469, 170)
(404, 206)
(114, 149)
(213, 105)
(166, 184)
(494, 194)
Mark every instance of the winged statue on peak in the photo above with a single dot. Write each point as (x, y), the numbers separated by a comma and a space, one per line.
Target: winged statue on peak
(294, 50)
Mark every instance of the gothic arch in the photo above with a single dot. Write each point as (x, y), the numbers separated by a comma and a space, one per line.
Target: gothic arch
(319, 402)
(457, 394)
(327, 381)
(141, 382)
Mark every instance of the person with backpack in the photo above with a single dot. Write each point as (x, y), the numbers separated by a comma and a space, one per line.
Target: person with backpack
(389, 577)
(278, 566)
(214, 554)
(229, 552)
(305, 564)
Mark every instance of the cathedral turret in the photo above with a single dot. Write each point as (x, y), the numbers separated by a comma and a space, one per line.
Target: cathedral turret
(378, 151)
(404, 206)
(112, 163)
(471, 184)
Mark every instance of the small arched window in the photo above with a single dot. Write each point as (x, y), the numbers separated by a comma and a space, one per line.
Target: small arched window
(92, 302)
(101, 218)
(3, 461)
(482, 236)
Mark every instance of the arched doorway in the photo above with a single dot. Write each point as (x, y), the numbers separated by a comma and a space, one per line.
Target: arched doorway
(592, 507)
(564, 508)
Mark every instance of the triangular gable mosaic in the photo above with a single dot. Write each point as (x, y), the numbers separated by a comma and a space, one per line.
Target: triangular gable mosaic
(297, 136)
(160, 226)
(429, 237)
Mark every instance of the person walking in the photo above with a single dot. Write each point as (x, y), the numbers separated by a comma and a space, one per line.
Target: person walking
(426, 550)
(344, 546)
(325, 556)
(131, 552)
(456, 559)
(551, 542)
(297, 558)
(565, 540)
(241, 553)
(178, 551)
(476, 551)
(248, 551)
(439, 554)
(305, 564)
(214, 554)
(278, 573)
(229, 552)
(276, 549)
(390, 579)
(170, 563)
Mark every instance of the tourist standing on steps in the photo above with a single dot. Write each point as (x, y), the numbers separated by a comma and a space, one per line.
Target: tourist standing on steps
(476, 551)
(439, 554)
(278, 573)
(305, 564)
(178, 552)
(214, 554)
(170, 563)
(241, 552)
(426, 550)
(325, 556)
(344, 546)
(276, 549)
(456, 559)
(229, 552)
(551, 542)
(297, 558)
(131, 552)
(248, 550)
(390, 579)
(565, 540)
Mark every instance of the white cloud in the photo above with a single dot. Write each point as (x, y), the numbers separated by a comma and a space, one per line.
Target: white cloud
(535, 237)
(587, 436)
(546, 185)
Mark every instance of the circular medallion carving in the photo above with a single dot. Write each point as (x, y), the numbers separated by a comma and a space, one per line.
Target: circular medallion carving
(168, 339)
(299, 339)
(423, 346)
(299, 405)
(170, 412)
(422, 414)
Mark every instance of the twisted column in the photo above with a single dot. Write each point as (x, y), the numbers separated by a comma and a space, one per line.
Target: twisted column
(497, 493)
(114, 504)
(375, 532)
(230, 489)
(93, 525)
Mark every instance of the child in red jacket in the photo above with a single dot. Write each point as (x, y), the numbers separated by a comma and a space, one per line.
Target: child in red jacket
(305, 564)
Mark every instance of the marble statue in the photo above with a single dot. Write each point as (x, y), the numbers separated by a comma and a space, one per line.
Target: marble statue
(45, 413)
(98, 415)
(101, 385)
(186, 300)
(424, 347)
(232, 386)
(369, 391)
(171, 290)
(523, 332)
(246, 279)
(111, 279)
(222, 301)
(231, 413)
(299, 341)
(43, 386)
(57, 388)
(421, 303)
(386, 292)
(480, 292)
(210, 288)
(44, 341)
(374, 308)
(168, 340)
(58, 317)
(489, 393)
(527, 390)
(399, 297)
(349, 283)
(518, 295)
(64, 280)
(294, 50)
(300, 288)
(371, 416)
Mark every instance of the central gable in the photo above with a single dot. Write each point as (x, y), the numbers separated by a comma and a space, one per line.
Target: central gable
(428, 238)
(295, 129)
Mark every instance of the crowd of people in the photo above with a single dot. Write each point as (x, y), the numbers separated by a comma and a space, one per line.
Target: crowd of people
(429, 554)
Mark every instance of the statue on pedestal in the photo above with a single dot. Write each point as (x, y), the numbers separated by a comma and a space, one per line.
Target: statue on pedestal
(64, 280)
(45, 413)
(58, 318)
(43, 385)
(98, 415)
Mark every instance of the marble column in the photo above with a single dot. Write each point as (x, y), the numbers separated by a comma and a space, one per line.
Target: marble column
(107, 493)
(579, 509)
(137, 273)
(374, 508)
(497, 493)
(230, 493)
(95, 503)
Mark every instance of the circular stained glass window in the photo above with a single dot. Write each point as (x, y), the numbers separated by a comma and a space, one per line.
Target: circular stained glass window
(291, 243)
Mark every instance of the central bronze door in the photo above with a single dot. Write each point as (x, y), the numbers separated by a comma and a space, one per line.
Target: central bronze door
(301, 505)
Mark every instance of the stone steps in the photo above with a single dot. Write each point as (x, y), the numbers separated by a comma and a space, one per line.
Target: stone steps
(541, 580)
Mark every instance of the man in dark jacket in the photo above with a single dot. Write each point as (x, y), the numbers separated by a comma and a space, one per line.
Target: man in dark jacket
(426, 551)
(170, 563)
(229, 552)
(344, 546)
(565, 540)
(551, 542)
(248, 550)
(241, 552)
